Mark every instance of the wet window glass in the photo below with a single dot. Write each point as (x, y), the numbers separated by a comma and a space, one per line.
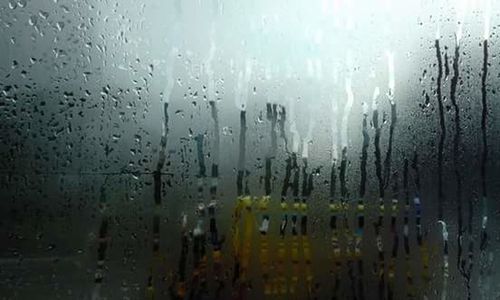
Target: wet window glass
(326, 149)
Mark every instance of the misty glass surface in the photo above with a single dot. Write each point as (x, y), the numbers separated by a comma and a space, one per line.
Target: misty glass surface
(215, 149)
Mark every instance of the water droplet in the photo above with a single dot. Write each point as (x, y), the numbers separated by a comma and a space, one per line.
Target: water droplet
(22, 3)
(43, 14)
(60, 26)
(33, 20)
(227, 131)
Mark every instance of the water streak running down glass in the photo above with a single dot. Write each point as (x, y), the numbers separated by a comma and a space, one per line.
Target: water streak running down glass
(326, 149)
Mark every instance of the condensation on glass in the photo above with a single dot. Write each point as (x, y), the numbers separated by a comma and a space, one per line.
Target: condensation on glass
(216, 149)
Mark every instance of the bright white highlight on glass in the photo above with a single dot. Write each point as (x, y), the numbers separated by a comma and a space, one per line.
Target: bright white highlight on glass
(347, 111)
(391, 83)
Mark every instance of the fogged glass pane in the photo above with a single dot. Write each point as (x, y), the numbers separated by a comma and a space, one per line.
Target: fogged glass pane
(216, 149)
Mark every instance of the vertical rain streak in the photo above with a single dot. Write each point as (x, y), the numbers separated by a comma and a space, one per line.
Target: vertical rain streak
(334, 205)
(287, 179)
(378, 170)
(242, 153)
(409, 287)
(133, 120)
(162, 156)
(388, 154)
(102, 248)
(198, 283)
(282, 249)
(347, 110)
(485, 258)
(333, 181)
(305, 159)
(216, 241)
(442, 133)
(334, 151)
(281, 123)
(179, 286)
(296, 179)
(157, 182)
(214, 113)
(345, 144)
(294, 248)
(395, 237)
(344, 192)
(295, 152)
(272, 115)
(211, 91)
(360, 206)
(288, 164)
(456, 155)
(263, 202)
(376, 144)
(216, 150)
(307, 186)
(392, 127)
(241, 99)
(456, 148)
(237, 265)
(103, 245)
(421, 241)
(364, 153)
(343, 175)
(202, 169)
(484, 139)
